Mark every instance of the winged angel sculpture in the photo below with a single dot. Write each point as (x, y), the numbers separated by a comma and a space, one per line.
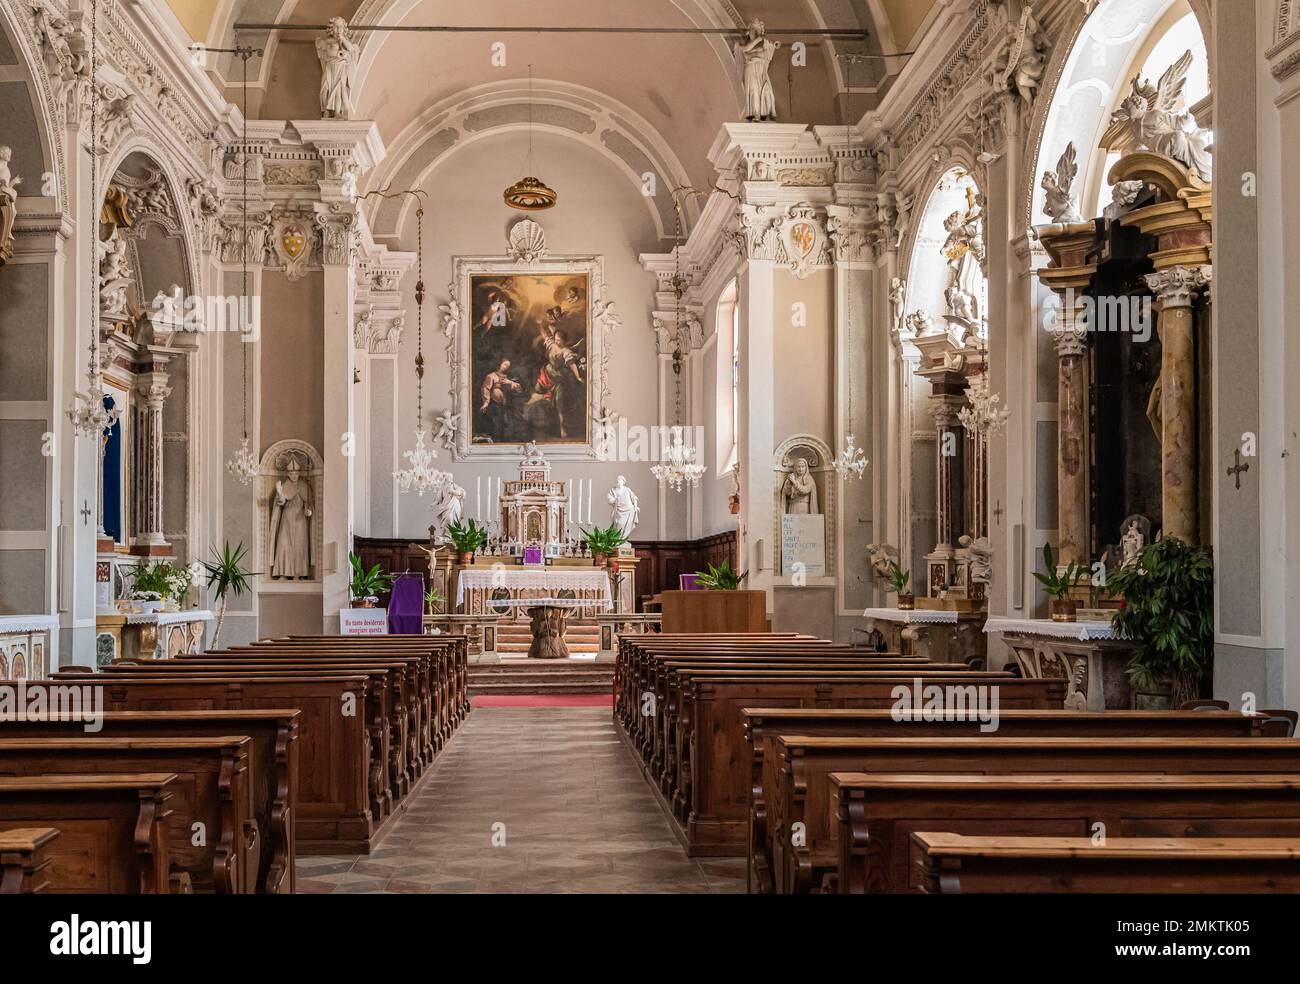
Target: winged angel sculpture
(1062, 204)
(1157, 119)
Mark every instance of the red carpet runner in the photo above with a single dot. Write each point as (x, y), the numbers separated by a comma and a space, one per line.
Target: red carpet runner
(543, 700)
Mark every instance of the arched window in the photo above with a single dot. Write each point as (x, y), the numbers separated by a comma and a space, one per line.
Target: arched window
(727, 327)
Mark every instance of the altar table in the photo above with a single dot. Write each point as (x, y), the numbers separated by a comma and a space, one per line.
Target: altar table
(942, 635)
(1088, 654)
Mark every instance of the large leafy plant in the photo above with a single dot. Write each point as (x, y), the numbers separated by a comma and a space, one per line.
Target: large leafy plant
(604, 540)
(367, 583)
(1169, 613)
(721, 578)
(1059, 583)
(898, 578)
(468, 536)
(160, 581)
(226, 574)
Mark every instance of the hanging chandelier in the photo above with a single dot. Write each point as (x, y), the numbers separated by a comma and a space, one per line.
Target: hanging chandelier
(243, 463)
(852, 461)
(88, 414)
(421, 476)
(530, 194)
(678, 466)
(983, 415)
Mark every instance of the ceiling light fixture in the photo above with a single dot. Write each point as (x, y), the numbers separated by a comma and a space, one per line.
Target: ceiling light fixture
(530, 194)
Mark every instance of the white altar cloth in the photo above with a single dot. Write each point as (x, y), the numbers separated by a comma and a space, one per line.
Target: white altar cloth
(916, 616)
(1082, 631)
(27, 623)
(550, 580)
(169, 618)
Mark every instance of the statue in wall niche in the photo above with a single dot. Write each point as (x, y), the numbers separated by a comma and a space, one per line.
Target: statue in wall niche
(1156, 118)
(8, 204)
(754, 54)
(1062, 204)
(1131, 543)
(338, 57)
(450, 507)
(292, 510)
(800, 491)
(626, 508)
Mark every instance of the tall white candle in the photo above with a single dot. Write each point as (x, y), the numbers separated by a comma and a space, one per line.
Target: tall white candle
(478, 492)
(589, 481)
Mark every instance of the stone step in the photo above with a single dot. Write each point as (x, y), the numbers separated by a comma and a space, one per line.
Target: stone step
(524, 689)
(548, 667)
(521, 646)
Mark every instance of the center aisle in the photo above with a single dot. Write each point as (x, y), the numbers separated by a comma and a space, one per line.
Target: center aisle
(574, 811)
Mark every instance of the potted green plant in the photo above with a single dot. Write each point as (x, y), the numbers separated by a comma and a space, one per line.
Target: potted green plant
(431, 599)
(1169, 613)
(721, 578)
(367, 585)
(226, 574)
(899, 579)
(1058, 584)
(468, 538)
(603, 542)
(160, 585)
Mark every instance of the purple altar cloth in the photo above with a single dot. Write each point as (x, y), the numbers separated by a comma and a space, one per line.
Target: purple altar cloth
(406, 606)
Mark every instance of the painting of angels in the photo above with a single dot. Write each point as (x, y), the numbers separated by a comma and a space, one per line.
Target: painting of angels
(529, 336)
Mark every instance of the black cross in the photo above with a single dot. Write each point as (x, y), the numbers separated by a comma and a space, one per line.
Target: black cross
(997, 513)
(1240, 467)
(85, 511)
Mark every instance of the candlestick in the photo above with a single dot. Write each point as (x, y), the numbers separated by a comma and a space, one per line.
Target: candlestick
(478, 491)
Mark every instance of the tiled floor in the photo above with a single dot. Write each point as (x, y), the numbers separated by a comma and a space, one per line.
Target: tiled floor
(563, 793)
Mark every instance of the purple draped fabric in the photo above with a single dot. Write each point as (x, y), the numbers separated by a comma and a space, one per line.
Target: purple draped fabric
(406, 606)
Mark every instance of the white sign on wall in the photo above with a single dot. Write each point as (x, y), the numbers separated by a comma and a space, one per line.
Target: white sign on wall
(803, 541)
(363, 621)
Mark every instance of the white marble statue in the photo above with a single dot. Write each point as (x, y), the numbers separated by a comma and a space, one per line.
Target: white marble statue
(168, 307)
(981, 558)
(8, 203)
(1157, 119)
(1131, 544)
(881, 555)
(448, 424)
(338, 58)
(450, 506)
(114, 277)
(1062, 204)
(754, 54)
(292, 509)
(1021, 66)
(799, 492)
(626, 509)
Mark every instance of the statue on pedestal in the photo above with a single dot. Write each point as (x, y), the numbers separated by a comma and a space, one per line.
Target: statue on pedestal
(291, 515)
(450, 507)
(626, 510)
(755, 55)
(1062, 204)
(8, 204)
(1156, 118)
(1131, 544)
(338, 55)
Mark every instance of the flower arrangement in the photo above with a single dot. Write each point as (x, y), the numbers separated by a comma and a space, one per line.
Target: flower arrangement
(161, 581)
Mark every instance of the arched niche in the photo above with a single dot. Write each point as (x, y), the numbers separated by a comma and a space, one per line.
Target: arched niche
(1090, 76)
(819, 457)
(938, 261)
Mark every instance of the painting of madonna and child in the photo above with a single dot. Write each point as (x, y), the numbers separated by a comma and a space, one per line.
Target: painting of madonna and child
(528, 349)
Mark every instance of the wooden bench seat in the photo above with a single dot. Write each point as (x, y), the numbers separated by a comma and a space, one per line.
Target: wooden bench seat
(273, 766)
(212, 831)
(956, 864)
(24, 856)
(877, 814)
(801, 819)
(112, 829)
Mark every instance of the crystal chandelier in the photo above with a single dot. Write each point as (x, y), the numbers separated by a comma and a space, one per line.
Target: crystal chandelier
(243, 463)
(530, 194)
(421, 476)
(983, 415)
(88, 414)
(852, 461)
(678, 466)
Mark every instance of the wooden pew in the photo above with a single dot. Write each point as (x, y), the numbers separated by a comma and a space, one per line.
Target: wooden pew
(273, 766)
(113, 833)
(764, 724)
(955, 863)
(711, 790)
(340, 776)
(211, 789)
(877, 814)
(799, 799)
(24, 856)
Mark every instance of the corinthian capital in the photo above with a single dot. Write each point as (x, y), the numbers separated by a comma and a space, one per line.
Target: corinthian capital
(1177, 285)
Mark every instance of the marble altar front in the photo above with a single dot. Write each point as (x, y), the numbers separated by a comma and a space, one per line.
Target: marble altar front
(1087, 654)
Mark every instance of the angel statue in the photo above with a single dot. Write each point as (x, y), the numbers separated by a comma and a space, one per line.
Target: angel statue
(1062, 204)
(448, 424)
(981, 558)
(881, 555)
(1020, 67)
(1157, 119)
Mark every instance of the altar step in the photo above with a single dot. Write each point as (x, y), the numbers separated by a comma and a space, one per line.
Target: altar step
(513, 639)
(541, 677)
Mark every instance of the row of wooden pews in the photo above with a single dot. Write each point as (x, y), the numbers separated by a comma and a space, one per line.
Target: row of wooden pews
(679, 702)
(211, 772)
(798, 754)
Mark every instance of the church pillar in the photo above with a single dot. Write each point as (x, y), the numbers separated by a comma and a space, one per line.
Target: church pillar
(148, 484)
(1175, 288)
(338, 230)
(1071, 336)
(757, 438)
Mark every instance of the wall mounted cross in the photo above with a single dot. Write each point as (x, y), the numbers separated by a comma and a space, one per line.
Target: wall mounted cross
(1238, 468)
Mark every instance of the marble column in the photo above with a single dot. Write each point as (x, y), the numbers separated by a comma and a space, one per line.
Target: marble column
(1071, 336)
(147, 503)
(1175, 288)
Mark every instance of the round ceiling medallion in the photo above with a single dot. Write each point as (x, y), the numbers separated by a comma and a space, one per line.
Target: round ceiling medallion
(529, 195)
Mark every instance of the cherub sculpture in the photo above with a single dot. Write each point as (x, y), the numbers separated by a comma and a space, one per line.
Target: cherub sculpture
(1062, 205)
(1157, 119)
